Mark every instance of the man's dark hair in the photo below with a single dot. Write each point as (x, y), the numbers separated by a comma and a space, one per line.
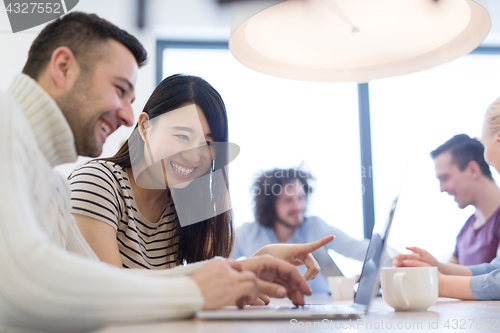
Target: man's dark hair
(269, 186)
(84, 34)
(464, 149)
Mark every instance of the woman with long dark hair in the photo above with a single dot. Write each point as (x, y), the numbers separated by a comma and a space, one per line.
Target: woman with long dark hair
(141, 228)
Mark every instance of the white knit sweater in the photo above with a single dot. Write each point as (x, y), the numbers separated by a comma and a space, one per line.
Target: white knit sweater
(50, 280)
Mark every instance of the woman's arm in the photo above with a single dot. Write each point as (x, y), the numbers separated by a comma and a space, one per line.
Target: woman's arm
(102, 239)
(454, 269)
(455, 287)
(484, 287)
(298, 254)
(420, 257)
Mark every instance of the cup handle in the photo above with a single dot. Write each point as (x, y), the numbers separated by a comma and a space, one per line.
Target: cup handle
(397, 281)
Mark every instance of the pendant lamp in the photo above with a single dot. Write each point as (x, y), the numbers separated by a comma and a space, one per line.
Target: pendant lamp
(354, 40)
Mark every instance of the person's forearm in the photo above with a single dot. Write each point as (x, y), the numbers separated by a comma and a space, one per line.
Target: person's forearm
(455, 287)
(453, 260)
(454, 269)
(182, 270)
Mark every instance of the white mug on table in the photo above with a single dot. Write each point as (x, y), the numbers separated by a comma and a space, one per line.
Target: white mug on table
(410, 288)
(342, 288)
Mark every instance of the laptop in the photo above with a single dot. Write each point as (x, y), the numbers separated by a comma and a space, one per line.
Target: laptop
(327, 264)
(368, 287)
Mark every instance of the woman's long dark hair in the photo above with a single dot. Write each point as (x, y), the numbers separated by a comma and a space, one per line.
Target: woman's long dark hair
(214, 236)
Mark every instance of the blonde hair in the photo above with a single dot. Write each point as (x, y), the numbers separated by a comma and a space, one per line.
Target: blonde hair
(491, 124)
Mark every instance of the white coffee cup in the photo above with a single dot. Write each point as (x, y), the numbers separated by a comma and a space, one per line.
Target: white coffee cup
(342, 288)
(410, 288)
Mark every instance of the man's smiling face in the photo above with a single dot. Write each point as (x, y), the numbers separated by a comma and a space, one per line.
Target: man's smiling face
(100, 100)
(452, 180)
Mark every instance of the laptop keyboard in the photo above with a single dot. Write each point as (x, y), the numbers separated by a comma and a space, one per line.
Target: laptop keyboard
(321, 308)
(307, 306)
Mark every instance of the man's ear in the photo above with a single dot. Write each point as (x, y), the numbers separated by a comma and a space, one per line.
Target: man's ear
(63, 69)
(144, 126)
(475, 169)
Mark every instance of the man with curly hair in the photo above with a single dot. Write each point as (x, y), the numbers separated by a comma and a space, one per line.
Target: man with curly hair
(281, 197)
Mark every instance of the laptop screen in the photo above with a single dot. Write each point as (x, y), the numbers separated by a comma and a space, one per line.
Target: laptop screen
(368, 282)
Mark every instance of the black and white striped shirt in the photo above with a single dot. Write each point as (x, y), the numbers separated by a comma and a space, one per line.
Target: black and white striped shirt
(101, 190)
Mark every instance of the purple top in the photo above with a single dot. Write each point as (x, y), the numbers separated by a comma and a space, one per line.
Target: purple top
(475, 247)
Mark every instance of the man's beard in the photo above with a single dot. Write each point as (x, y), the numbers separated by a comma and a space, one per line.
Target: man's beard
(73, 106)
(288, 225)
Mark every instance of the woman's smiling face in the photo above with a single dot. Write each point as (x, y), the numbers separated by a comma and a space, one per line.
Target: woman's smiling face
(182, 140)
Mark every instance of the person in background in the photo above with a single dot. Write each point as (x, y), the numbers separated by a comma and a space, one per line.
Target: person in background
(281, 197)
(75, 90)
(463, 173)
(482, 281)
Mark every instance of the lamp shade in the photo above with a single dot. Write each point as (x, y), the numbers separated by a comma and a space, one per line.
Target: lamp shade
(354, 40)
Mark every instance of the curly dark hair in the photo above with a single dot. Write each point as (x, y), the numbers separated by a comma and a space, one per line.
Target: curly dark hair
(265, 193)
(84, 34)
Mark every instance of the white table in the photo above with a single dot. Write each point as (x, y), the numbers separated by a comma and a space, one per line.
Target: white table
(446, 315)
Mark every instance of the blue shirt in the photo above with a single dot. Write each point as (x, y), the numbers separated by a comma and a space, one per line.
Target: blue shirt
(251, 237)
(485, 284)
